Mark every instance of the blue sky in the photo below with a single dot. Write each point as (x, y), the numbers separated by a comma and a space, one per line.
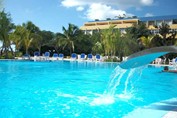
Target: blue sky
(51, 15)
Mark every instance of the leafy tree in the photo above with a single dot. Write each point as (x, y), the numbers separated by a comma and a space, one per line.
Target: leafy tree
(147, 41)
(5, 29)
(83, 43)
(172, 38)
(70, 36)
(17, 37)
(31, 27)
(97, 48)
(127, 45)
(32, 36)
(44, 40)
(37, 41)
(164, 31)
(110, 38)
(47, 36)
(139, 30)
(167, 35)
(95, 37)
(27, 40)
(58, 42)
(157, 41)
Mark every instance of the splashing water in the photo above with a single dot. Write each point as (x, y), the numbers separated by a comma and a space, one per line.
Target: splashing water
(131, 72)
(115, 80)
(102, 100)
(118, 75)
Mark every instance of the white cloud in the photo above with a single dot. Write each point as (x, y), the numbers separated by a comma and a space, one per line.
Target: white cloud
(119, 3)
(80, 8)
(101, 9)
(147, 2)
(73, 3)
(148, 15)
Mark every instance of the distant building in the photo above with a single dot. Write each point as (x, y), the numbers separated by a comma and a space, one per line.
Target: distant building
(152, 23)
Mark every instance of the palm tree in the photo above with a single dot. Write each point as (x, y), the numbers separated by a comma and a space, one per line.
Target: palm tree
(44, 39)
(70, 36)
(58, 42)
(31, 27)
(147, 41)
(164, 30)
(5, 28)
(84, 43)
(97, 48)
(139, 30)
(30, 35)
(16, 37)
(22, 37)
(110, 38)
(37, 41)
(126, 45)
(27, 40)
(167, 35)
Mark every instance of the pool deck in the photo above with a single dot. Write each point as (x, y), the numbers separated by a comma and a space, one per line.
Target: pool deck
(161, 109)
(171, 114)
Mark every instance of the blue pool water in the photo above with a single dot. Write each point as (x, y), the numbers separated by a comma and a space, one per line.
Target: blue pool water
(82, 89)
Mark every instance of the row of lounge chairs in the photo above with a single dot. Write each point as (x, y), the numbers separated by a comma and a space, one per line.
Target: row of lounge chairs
(83, 56)
(46, 56)
(60, 56)
(165, 61)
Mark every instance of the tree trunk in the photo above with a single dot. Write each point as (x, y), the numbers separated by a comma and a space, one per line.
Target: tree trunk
(12, 52)
(26, 50)
(6, 53)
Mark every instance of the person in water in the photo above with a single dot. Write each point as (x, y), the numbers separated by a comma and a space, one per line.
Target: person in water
(165, 68)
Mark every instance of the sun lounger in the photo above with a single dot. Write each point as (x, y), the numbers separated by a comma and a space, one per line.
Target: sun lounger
(73, 56)
(36, 53)
(61, 56)
(36, 56)
(98, 57)
(82, 56)
(26, 57)
(55, 57)
(46, 55)
(90, 57)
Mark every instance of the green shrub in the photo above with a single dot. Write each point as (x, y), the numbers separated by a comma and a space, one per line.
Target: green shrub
(18, 54)
(112, 60)
(9, 56)
(2, 57)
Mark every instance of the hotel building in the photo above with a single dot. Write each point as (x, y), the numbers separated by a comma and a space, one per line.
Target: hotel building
(152, 23)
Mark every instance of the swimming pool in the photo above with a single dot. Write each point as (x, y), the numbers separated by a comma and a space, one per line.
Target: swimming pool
(77, 89)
